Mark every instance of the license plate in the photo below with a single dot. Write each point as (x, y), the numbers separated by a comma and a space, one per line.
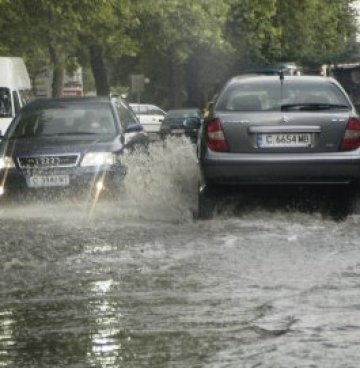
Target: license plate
(48, 181)
(284, 140)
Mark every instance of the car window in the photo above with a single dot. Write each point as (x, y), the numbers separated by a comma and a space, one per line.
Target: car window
(182, 113)
(139, 109)
(91, 119)
(5, 103)
(271, 95)
(25, 96)
(17, 105)
(126, 115)
(155, 111)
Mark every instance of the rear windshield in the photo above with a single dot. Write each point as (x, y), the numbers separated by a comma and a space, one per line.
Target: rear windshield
(5, 103)
(139, 109)
(147, 110)
(94, 119)
(182, 113)
(271, 95)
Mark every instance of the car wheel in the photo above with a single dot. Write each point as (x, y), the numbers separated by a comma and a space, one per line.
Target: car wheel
(355, 201)
(162, 136)
(343, 202)
(206, 203)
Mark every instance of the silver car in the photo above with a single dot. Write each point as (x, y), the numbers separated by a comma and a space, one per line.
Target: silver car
(280, 130)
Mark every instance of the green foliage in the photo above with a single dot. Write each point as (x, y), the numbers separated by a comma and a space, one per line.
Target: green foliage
(253, 31)
(178, 43)
(316, 30)
(179, 27)
(266, 31)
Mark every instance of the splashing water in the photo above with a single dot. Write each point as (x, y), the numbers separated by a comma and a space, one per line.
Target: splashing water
(160, 186)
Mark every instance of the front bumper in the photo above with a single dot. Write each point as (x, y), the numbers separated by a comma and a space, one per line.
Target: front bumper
(245, 169)
(77, 178)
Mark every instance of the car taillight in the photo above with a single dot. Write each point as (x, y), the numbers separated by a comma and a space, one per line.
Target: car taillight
(351, 139)
(215, 138)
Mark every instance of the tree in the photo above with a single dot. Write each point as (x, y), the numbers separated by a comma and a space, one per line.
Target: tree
(42, 27)
(186, 48)
(106, 32)
(171, 31)
(253, 32)
(317, 31)
(267, 31)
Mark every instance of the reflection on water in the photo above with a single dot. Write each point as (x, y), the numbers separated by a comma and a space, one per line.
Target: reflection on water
(7, 342)
(105, 347)
(138, 283)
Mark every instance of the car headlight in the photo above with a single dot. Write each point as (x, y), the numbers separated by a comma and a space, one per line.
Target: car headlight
(7, 162)
(98, 159)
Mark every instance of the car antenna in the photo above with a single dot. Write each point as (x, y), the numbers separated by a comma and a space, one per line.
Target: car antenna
(281, 75)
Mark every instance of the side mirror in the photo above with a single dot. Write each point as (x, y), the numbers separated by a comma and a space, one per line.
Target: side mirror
(133, 128)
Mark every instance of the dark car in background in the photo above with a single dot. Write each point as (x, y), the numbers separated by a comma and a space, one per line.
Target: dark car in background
(68, 143)
(182, 122)
(269, 130)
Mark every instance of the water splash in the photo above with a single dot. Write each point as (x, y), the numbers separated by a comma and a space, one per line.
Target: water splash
(160, 186)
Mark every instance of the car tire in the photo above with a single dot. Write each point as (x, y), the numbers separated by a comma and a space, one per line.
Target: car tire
(206, 203)
(355, 201)
(344, 201)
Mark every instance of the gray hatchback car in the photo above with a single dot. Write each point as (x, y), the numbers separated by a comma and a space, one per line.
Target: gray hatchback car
(277, 130)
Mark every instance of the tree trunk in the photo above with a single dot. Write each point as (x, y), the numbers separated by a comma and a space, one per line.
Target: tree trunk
(193, 83)
(57, 84)
(178, 90)
(99, 70)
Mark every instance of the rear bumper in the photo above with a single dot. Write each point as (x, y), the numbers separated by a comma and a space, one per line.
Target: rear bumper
(245, 169)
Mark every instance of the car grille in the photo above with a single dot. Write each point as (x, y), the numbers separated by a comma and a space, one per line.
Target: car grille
(48, 161)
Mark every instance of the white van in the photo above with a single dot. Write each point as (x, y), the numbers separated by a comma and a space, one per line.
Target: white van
(15, 89)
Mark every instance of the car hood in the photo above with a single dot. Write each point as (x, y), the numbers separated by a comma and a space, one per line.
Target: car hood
(60, 145)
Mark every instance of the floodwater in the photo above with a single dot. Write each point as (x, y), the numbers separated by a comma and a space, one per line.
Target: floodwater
(137, 282)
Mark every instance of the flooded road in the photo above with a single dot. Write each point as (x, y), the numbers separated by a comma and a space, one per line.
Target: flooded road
(136, 282)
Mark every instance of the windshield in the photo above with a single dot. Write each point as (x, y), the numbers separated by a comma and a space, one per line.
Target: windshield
(270, 95)
(94, 119)
(5, 103)
(182, 113)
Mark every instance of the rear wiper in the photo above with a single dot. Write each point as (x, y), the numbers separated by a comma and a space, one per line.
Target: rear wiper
(313, 106)
(52, 135)
(69, 133)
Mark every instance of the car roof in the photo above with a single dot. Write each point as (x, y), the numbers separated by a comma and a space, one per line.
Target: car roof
(134, 104)
(300, 78)
(52, 102)
(185, 109)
